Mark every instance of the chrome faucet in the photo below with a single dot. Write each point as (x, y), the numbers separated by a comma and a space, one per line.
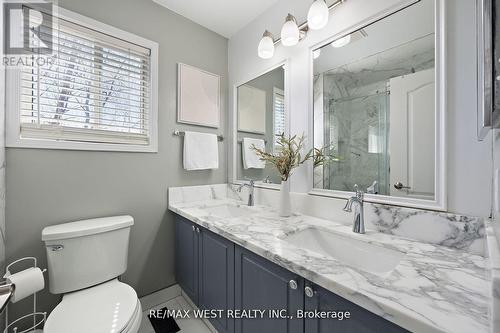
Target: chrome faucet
(359, 216)
(251, 187)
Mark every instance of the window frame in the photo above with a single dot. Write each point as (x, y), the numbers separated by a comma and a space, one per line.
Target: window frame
(281, 92)
(13, 91)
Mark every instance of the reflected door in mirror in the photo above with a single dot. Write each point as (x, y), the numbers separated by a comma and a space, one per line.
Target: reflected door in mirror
(412, 135)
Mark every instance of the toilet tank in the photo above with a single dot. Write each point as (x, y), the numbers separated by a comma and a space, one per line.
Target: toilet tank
(85, 253)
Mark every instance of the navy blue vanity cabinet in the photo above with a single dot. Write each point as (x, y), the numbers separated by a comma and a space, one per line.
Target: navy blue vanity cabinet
(219, 275)
(360, 321)
(205, 270)
(260, 284)
(216, 277)
(186, 257)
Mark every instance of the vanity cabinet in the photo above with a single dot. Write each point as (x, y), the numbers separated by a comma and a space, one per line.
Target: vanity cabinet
(360, 320)
(186, 257)
(216, 274)
(205, 270)
(262, 285)
(216, 277)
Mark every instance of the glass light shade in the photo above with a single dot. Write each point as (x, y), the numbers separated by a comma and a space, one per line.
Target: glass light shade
(290, 32)
(317, 18)
(266, 46)
(316, 53)
(342, 41)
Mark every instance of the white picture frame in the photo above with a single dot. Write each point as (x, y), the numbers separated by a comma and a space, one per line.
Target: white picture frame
(198, 96)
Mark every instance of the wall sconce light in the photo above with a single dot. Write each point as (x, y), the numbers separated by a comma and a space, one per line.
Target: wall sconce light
(292, 33)
(266, 46)
(317, 18)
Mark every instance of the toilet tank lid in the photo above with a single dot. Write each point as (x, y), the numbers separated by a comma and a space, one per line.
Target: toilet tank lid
(86, 227)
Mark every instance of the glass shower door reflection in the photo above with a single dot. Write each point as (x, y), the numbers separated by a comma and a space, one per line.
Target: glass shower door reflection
(357, 131)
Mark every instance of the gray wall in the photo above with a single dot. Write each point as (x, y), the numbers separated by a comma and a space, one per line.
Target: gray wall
(46, 187)
(266, 82)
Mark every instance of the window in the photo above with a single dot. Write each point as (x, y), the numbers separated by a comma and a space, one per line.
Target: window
(98, 93)
(278, 113)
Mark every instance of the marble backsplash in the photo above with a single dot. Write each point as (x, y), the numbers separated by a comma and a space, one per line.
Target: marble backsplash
(455, 231)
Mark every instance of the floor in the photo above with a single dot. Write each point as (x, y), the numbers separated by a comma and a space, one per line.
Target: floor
(173, 299)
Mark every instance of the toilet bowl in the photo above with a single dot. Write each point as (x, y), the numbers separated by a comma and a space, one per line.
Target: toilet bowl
(85, 259)
(111, 307)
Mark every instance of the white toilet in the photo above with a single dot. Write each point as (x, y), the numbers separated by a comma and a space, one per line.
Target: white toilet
(85, 259)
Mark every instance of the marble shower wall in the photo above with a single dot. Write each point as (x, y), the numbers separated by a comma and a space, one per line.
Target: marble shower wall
(319, 126)
(358, 134)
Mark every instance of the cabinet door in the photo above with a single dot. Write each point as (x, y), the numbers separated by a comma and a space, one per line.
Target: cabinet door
(186, 257)
(216, 279)
(360, 321)
(262, 285)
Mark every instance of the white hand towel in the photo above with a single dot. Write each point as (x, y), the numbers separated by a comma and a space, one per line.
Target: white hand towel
(201, 151)
(250, 158)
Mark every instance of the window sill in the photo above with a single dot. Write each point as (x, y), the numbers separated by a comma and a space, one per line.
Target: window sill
(88, 146)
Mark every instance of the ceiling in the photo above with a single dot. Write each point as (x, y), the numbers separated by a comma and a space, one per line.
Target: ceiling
(225, 17)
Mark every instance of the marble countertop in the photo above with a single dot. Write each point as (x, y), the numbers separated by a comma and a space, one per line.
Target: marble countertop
(433, 289)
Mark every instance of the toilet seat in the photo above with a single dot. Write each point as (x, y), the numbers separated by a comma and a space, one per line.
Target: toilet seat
(110, 307)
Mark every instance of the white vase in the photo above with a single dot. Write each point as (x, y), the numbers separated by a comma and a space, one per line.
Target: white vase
(285, 202)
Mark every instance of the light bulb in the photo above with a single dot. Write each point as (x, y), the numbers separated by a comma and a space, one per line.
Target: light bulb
(266, 46)
(317, 18)
(290, 32)
(316, 53)
(342, 41)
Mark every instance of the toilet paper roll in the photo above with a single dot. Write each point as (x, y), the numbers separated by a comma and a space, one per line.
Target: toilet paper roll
(26, 283)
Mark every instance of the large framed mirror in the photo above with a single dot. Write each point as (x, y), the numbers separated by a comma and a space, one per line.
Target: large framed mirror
(260, 116)
(379, 109)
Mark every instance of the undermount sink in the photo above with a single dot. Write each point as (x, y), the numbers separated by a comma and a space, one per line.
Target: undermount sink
(228, 211)
(365, 256)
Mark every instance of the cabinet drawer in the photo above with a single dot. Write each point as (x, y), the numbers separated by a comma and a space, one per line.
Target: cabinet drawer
(360, 320)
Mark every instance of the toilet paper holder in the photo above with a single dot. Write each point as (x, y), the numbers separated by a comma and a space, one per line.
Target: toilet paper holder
(8, 290)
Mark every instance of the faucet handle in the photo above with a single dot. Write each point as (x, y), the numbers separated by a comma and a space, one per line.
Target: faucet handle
(348, 206)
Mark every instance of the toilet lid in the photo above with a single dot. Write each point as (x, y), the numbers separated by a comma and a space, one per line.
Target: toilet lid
(106, 308)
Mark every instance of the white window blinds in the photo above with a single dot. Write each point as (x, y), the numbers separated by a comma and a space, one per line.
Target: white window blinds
(279, 113)
(97, 89)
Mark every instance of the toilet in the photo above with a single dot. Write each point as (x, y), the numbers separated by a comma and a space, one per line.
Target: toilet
(85, 259)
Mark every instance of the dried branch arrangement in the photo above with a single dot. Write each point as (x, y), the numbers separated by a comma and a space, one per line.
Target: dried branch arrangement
(289, 155)
(322, 156)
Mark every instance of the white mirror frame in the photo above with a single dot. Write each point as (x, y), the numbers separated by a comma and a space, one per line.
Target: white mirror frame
(440, 188)
(234, 129)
